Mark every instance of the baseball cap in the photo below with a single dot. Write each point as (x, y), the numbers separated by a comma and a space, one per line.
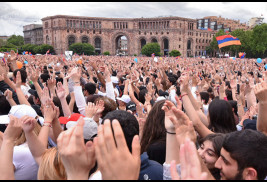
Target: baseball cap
(114, 79)
(131, 106)
(89, 128)
(73, 117)
(18, 111)
(124, 98)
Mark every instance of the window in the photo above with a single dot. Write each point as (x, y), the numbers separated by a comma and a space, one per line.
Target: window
(46, 24)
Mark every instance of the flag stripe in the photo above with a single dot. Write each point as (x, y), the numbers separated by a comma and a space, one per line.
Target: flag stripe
(226, 40)
(223, 37)
(233, 42)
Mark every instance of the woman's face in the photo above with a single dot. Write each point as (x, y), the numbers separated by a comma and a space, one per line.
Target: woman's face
(207, 153)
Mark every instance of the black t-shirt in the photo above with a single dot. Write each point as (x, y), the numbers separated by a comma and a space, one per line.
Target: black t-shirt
(157, 152)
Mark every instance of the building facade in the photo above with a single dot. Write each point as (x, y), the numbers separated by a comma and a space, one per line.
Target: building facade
(255, 21)
(105, 34)
(33, 34)
(4, 37)
(218, 23)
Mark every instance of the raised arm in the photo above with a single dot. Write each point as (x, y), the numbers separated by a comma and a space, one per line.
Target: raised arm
(261, 94)
(192, 114)
(21, 96)
(12, 132)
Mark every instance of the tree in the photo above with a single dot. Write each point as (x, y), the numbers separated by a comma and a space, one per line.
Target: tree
(16, 40)
(45, 47)
(106, 53)
(175, 53)
(259, 40)
(151, 48)
(82, 48)
(28, 47)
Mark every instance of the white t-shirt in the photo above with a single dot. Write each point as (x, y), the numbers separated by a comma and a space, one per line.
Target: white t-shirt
(206, 109)
(25, 166)
(25, 90)
(96, 176)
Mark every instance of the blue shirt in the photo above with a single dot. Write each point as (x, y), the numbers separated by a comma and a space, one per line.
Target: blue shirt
(150, 170)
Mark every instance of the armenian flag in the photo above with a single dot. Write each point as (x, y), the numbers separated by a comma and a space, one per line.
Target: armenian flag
(242, 54)
(153, 55)
(4, 60)
(226, 40)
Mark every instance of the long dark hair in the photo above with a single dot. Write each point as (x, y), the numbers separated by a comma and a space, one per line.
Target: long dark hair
(221, 117)
(217, 140)
(154, 128)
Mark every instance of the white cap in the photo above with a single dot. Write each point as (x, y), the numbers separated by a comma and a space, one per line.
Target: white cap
(114, 79)
(18, 111)
(160, 98)
(89, 128)
(124, 98)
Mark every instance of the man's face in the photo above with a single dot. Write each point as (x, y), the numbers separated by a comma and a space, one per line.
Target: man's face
(228, 167)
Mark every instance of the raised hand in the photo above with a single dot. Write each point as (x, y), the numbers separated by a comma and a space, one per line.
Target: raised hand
(8, 94)
(77, 158)
(109, 147)
(28, 123)
(51, 83)
(18, 80)
(90, 110)
(76, 74)
(190, 164)
(100, 106)
(50, 111)
(61, 93)
(260, 91)
(13, 130)
(45, 95)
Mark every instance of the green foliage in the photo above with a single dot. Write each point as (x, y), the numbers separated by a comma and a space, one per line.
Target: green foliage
(135, 55)
(44, 48)
(5, 49)
(82, 48)
(151, 48)
(174, 53)
(27, 47)
(106, 53)
(16, 40)
(253, 42)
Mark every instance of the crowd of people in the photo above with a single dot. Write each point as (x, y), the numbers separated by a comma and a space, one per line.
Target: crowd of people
(111, 117)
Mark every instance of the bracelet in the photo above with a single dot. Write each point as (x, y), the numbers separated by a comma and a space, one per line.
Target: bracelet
(47, 124)
(183, 95)
(170, 133)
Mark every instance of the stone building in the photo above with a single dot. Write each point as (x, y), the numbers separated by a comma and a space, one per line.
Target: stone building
(33, 34)
(217, 23)
(255, 21)
(105, 34)
(4, 37)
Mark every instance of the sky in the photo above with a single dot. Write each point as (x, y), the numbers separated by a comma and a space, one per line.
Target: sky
(15, 15)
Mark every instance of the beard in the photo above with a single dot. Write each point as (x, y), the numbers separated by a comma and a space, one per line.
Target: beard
(238, 176)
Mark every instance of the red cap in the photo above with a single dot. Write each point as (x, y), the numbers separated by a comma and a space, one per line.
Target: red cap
(73, 117)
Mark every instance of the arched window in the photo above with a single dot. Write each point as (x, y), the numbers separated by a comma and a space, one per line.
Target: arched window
(85, 39)
(143, 42)
(154, 40)
(98, 45)
(71, 40)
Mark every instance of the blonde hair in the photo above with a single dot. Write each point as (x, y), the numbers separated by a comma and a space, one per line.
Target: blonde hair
(51, 166)
(22, 139)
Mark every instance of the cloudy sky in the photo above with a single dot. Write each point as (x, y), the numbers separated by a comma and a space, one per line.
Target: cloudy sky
(14, 15)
